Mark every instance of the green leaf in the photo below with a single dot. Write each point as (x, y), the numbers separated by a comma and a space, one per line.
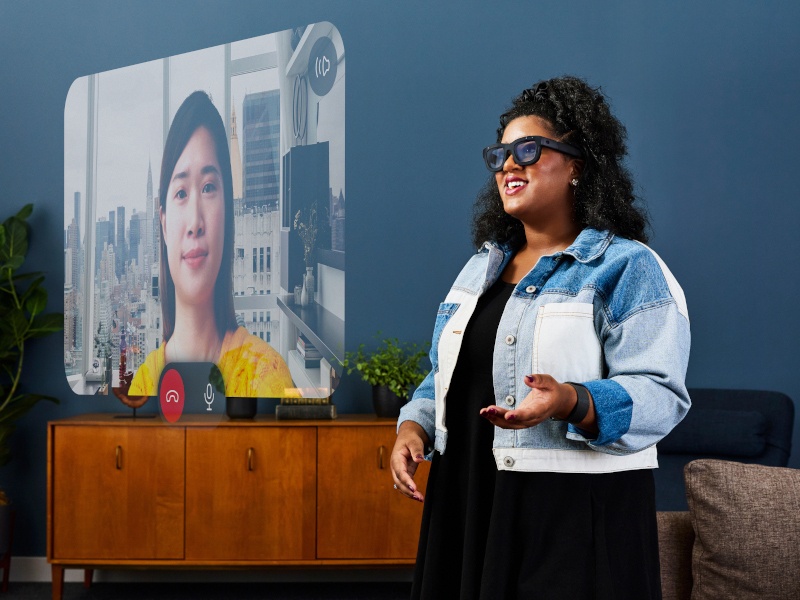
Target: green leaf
(25, 212)
(16, 242)
(18, 325)
(44, 324)
(37, 300)
(2, 235)
(20, 405)
(15, 262)
(17, 277)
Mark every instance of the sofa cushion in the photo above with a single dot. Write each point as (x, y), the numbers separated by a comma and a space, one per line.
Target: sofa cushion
(747, 530)
(718, 431)
(675, 543)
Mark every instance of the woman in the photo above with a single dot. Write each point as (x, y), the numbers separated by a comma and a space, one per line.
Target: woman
(559, 359)
(197, 233)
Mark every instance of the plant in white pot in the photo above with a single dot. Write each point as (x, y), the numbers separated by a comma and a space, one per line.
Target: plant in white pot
(306, 224)
(22, 303)
(392, 369)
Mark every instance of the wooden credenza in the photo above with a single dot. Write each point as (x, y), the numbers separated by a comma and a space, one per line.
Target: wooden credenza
(139, 493)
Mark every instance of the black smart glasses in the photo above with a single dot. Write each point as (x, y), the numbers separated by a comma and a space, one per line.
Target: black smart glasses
(526, 151)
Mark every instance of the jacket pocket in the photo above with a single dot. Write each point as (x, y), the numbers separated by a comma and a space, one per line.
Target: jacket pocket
(566, 345)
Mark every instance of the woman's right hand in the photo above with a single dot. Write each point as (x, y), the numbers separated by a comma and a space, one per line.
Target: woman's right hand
(408, 452)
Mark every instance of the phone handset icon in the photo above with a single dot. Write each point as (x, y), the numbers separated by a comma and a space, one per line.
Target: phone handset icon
(209, 396)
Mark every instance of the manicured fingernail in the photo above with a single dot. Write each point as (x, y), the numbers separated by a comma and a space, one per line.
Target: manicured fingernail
(492, 411)
(530, 378)
(419, 456)
(412, 488)
(512, 417)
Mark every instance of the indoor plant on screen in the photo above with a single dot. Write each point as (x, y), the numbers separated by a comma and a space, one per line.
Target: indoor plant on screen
(22, 317)
(392, 369)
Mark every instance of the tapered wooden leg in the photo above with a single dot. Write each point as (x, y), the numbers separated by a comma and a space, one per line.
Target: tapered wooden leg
(58, 582)
(87, 578)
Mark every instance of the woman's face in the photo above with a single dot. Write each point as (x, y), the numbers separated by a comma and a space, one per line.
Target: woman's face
(193, 220)
(539, 192)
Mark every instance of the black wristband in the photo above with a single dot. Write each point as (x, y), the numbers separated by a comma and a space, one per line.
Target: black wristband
(581, 408)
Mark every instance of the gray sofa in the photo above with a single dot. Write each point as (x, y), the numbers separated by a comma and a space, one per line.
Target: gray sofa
(748, 426)
(740, 537)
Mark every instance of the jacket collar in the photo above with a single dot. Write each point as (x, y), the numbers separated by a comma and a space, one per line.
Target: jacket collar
(590, 244)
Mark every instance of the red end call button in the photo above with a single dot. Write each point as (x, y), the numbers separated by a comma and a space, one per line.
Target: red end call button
(172, 395)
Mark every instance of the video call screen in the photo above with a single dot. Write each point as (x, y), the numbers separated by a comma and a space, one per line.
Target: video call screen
(204, 218)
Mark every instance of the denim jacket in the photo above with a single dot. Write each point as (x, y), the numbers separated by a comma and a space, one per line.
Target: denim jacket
(606, 313)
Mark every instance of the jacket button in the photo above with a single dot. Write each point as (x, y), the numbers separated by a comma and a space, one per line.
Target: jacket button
(531, 289)
(510, 339)
(510, 400)
(508, 461)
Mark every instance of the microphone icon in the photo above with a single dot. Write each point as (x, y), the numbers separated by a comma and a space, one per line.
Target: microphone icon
(209, 396)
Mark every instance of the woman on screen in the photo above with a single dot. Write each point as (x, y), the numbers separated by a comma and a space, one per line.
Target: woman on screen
(196, 283)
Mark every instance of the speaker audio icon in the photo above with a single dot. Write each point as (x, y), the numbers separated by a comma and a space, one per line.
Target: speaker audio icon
(323, 65)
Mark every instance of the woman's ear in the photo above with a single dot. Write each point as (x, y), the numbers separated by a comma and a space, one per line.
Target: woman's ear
(577, 168)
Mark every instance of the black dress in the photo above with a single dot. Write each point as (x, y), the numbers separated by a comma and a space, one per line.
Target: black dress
(489, 534)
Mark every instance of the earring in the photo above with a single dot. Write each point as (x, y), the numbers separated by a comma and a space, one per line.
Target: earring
(574, 182)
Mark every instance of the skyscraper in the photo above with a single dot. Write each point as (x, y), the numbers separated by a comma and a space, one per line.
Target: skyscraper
(152, 201)
(261, 134)
(236, 159)
(120, 251)
(77, 209)
(103, 236)
(73, 246)
(134, 235)
(112, 216)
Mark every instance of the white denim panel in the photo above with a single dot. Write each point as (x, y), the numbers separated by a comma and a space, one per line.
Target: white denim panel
(565, 343)
(572, 461)
(449, 346)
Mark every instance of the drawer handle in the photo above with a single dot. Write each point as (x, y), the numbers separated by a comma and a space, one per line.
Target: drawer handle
(381, 454)
(119, 457)
(250, 453)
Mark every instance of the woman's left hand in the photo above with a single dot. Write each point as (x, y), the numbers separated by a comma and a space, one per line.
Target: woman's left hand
(547, 398)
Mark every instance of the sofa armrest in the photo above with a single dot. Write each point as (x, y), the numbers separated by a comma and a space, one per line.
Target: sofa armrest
(675, 542)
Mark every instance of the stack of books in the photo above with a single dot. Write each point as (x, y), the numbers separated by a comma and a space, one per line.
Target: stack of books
(307, 408)
(308, 352)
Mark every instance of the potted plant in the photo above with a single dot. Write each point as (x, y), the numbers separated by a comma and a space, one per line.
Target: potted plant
(392, 369)
(307, 229)
(22, 317)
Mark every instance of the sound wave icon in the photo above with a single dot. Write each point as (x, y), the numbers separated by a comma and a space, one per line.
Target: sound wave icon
(322, 66)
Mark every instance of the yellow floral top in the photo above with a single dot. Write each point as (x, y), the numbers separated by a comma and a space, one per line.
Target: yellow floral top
(250, 367)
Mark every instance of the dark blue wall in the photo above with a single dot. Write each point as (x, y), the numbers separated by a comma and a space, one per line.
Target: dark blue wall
(708, 91)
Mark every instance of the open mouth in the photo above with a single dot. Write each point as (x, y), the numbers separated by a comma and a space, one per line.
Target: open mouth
(513, 185)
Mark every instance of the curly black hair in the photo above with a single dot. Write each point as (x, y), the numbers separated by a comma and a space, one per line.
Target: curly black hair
(604, 198)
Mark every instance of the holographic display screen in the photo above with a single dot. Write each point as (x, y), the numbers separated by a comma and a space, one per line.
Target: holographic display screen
(204, 218)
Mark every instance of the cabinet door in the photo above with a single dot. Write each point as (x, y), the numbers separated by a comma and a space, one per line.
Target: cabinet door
(360, 515)
(250, 493)
(117, 492)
